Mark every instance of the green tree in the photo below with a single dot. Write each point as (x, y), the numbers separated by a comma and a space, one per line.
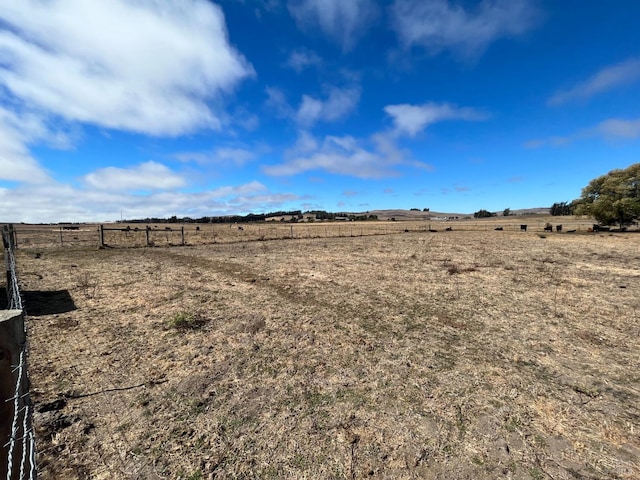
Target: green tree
(562, 208)
(506, 212)
(483, 214)
(613, 198)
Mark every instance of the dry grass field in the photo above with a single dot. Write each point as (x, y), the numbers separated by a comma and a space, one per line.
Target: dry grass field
(163, 234)
(449, 355)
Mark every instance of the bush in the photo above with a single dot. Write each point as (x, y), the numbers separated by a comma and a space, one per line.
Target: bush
(483, 214)
(186, 321)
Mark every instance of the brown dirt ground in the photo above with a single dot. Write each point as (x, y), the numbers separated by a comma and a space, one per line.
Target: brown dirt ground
(466, 355)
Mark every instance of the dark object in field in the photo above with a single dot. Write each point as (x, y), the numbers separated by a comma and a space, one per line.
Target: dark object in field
(499, 229)
(548, 228)
(558, 228)
(448, 229)
(523, 227)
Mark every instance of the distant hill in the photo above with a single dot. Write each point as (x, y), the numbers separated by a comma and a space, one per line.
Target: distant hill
(400, 214)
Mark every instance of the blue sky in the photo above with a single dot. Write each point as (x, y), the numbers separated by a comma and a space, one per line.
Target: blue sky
(193, 108)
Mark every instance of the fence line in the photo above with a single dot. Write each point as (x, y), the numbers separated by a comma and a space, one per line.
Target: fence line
(140, 235)
(17, 444)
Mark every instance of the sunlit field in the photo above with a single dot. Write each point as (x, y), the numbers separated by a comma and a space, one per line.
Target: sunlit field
(470, 353)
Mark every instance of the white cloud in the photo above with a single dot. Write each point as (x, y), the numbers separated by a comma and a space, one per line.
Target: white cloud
(338, 104)
(439, 24)
(610, 77)
(303, 58)
(618, 128)
(236, 156)
(146, 176)
(374, 158)
(412, 119)
(277, 101)
(16, 163)
(342, 20)
(609, 129)
(136, 65)
(56, 202)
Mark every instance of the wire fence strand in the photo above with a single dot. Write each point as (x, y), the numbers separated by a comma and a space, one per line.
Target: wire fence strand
(21, 441)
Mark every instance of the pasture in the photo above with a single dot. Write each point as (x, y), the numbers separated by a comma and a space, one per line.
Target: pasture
(462, 354)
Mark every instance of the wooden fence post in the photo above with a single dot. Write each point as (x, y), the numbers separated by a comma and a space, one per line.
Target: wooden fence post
(101, 236)
(182, 234)
(61, 244)
(6, 242)
(14, 236)
(12, 345)
(147, 233)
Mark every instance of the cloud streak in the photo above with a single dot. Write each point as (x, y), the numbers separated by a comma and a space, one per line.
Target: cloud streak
(611, 129)
(302, 59)
(146, 176)
(56, 202)
(343, 21)
(608, 78)
(436, 25)
(339, 103)
(412, 119)
(377, 157)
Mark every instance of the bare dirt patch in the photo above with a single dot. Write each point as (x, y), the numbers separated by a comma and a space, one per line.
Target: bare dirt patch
(418, 355)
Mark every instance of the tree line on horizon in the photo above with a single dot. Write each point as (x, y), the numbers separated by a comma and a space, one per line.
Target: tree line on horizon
(289, 216)
(611, 199)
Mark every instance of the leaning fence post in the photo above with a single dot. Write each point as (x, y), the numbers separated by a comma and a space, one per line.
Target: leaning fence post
(6, 242)
(14, 389)
(14, 236)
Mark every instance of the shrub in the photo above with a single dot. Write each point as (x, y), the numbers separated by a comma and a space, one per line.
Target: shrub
(186, 321)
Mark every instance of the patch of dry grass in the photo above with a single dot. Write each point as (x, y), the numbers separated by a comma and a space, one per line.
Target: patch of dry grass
(417, 355)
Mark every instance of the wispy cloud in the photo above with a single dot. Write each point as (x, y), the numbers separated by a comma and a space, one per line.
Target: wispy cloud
(146, 176)
(376, 157)
(338, 104)
(148, 67)
(610, 129)
(55, 202)
(235, 156)
(278, 103)
(439, 24)
(412, 119)
(303, 58)
(606, 79)
(618, 128)
(16, 162)
(343, 21)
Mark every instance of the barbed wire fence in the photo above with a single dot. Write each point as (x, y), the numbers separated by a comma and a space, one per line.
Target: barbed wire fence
(138, 235)
(18, 436)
